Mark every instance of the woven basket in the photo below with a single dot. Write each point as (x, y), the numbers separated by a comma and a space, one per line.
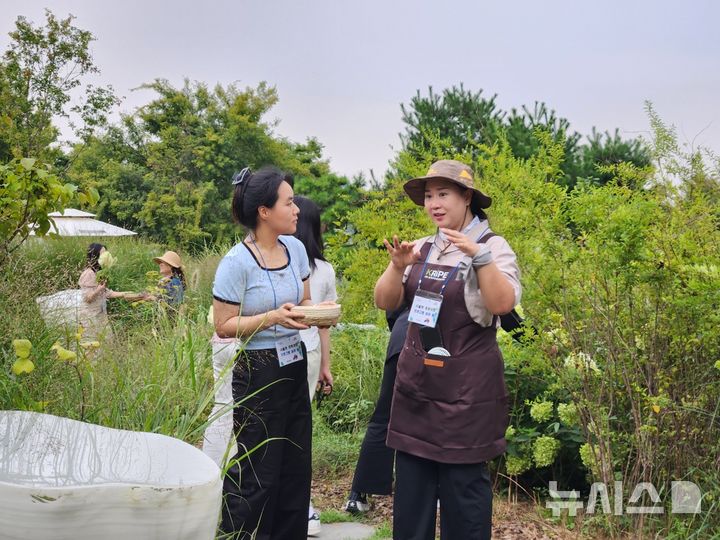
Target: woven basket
(325, 315)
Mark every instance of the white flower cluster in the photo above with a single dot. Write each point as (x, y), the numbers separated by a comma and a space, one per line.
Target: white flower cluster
(106, 260)
(581, 362)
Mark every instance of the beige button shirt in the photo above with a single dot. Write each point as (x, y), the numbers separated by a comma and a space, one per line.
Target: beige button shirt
(503, 257)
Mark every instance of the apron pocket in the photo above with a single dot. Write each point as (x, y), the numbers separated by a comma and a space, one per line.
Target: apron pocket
(442, 378)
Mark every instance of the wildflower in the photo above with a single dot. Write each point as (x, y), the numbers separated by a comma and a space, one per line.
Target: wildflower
(541, 411)
(106, 260)
(65, 355)
(22, 347)
(545, 450)
(580, 362)
(23, 364)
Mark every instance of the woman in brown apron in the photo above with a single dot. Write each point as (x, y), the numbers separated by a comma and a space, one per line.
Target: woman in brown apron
(449, 410)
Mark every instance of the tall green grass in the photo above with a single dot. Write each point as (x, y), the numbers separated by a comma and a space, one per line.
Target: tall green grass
(154, 375)
(358, 357)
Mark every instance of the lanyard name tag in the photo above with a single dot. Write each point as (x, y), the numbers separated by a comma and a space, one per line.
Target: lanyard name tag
(289, 350)
(425, 308)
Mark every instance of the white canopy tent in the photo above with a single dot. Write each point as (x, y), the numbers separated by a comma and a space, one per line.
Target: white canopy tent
(74, 222)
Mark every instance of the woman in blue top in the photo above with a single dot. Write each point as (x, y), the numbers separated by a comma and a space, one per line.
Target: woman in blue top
(258, 282)
(172, 282)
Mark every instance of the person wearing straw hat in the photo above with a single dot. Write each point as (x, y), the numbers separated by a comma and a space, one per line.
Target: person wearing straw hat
(449, 409)
(172, 281)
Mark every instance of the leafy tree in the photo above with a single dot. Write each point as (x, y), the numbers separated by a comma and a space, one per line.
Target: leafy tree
(165, 170)
(335, 195)
(29, 191)
(38, 72)
(523, 126)
(466, 120)
(604, 150)
(457, 115)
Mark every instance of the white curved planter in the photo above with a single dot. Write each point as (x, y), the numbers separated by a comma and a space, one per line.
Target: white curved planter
(64, 479)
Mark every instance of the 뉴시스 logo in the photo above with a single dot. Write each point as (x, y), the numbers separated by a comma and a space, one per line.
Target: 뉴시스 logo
(686, 498)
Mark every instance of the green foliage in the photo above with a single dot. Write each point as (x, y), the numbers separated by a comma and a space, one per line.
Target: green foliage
(155, 375)
(467, 120)
(358, 356)
(627, 303)
(621, 285)
(165, 171)
(38, 72)
(29, 191)
(458, 115)
(335, 195)
(604, 152)
(334, 453)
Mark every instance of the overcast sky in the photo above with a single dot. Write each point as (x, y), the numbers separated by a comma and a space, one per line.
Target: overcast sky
(342, 68)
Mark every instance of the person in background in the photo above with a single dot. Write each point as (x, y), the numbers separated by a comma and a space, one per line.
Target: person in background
(95, 295)
(172, 281)
(374, 469)
(322, 289)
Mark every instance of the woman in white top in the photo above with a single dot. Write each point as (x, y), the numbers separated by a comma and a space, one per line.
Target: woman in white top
(93, 318)
(322, 289)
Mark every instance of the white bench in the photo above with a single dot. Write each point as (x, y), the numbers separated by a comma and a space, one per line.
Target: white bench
(64, 479)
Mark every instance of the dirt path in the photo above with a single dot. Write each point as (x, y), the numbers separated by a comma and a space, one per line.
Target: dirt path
(510, 521)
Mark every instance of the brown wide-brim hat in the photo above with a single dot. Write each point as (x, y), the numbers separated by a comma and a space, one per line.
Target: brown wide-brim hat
(171, 258)
(454, 171)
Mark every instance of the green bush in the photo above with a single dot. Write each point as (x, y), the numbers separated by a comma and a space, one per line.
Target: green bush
(622, 285)
(358, 357)
(29, 191)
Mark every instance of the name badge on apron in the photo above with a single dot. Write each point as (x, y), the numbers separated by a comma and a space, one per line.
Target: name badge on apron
(289, 350)
(425, 308)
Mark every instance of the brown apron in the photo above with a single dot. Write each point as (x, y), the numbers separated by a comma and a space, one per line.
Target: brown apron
(451, 409)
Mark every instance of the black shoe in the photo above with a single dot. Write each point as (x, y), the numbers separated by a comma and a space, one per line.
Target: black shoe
(357, 503)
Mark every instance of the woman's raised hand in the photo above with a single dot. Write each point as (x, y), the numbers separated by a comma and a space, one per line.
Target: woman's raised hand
(462, 242)
(402, 254)
(287, 318)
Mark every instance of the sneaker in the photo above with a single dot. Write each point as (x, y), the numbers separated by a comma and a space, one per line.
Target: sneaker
(314, 525)
(357, 503)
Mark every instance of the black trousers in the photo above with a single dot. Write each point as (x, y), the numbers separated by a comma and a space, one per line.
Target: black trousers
(464, 492)
(374, 469)
(269, 490)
